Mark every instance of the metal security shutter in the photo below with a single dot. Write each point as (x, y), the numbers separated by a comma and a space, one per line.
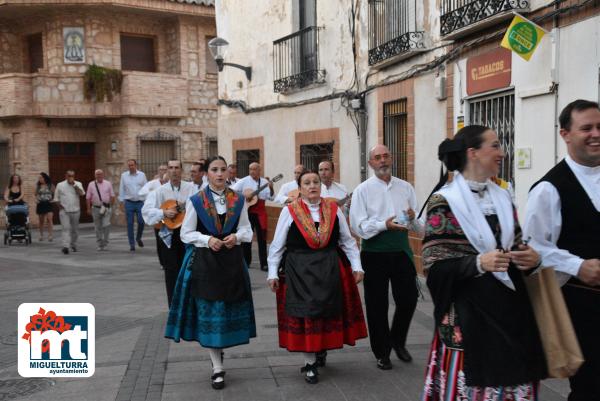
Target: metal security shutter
(498, 113)
(243, 158)
(137, 53)
(154, 153)
(395, 136)
(313, 154)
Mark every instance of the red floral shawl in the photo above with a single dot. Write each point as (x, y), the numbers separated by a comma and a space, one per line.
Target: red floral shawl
(301, 215)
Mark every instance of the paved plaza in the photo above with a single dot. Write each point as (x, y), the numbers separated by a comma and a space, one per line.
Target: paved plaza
(135, 362)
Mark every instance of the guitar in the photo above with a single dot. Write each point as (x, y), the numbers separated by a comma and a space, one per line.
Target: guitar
(253, 195)
(341, 202)
(175, 222)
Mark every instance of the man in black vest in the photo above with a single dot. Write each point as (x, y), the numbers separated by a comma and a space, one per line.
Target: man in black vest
(563, 220)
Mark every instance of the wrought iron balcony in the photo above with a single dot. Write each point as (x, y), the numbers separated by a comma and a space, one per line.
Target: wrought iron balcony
(457, 15)
(296, 60)
(393, 30)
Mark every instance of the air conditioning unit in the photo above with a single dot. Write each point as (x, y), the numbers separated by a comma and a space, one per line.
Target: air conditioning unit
(439, 88)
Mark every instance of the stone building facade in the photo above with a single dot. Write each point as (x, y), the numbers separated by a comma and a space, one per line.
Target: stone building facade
(167, 101)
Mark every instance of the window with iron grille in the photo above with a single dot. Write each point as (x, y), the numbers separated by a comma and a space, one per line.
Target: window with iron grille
(213, 147)
(243, 158)
(395, 136)
(137, 53)
(313, 154)
(153, 153)
(498, 113)
(4, 164)
(393, 29)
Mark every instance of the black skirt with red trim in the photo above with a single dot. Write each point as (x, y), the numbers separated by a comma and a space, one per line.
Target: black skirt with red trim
(304, 334)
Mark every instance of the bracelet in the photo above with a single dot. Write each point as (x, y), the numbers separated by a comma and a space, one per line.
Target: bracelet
(478, 265)
(538, 264)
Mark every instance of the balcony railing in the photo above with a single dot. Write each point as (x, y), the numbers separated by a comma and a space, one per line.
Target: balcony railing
(455, 15)
(393, 29)
(296, 60)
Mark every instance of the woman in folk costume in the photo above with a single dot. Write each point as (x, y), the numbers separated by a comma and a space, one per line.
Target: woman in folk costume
(486, 345)
(212, 303)
(318, 304)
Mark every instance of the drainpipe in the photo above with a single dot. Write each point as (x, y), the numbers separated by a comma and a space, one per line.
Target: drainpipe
(555, 79)
(362, 127)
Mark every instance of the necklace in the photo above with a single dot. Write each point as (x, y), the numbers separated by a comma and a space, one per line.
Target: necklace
(220, 196)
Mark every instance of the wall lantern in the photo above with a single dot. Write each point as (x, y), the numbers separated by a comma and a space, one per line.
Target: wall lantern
(218, 49)
(113, 146)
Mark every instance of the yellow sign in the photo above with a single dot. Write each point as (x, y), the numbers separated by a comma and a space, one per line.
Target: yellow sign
(522, 37)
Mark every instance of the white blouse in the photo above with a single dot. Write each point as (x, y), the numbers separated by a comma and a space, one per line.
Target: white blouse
(346, 241)
(189, 234)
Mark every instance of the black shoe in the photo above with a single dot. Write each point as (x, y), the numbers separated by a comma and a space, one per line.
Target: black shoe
(402, 354)
(132, 249)
(321, 359)
(65, 251)
(384, 363)
(73, 249)
(218, 385)
(311, 374)
(264, 268)
(140, 243)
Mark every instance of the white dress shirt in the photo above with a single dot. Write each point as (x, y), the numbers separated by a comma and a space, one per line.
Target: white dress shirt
(543, 222)
(151, 211)
(346, 241)
(374, 201)
(198, 188)
(149, 187)
(67, 196)
(130, 186)
(190, 235)
(285, 189)
(250, 183)
(335, 190)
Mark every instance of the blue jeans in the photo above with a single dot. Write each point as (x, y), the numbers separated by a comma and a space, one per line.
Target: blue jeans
(132, 208)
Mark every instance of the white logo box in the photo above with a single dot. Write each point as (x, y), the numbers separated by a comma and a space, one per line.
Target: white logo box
(77, 362)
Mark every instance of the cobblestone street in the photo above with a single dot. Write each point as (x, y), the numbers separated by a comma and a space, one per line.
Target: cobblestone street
(135, 362)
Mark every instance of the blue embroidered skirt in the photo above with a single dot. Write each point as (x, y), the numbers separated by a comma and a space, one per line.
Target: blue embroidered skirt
(214, 324)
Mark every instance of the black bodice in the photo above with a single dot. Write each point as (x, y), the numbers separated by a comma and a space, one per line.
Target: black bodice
(295, 240)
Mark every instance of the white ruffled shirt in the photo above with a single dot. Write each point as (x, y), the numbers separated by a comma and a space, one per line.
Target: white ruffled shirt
(346, 241)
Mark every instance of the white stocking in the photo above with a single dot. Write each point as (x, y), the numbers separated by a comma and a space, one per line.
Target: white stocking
(309, 358)
(215, 357)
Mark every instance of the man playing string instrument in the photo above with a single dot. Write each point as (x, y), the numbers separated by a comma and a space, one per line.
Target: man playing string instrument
(170, 248)
(257, 214)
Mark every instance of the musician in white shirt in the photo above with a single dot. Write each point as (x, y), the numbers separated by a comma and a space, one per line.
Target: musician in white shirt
(170, 248)
(198, 176)
(256, 213)
(282, 196)
(158, 180)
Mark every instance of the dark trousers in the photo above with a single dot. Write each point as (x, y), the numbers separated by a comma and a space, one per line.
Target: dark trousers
(381, 269)
(158, 241)
(584, 308)
(172, 259)
(261, 236)
(134, 209)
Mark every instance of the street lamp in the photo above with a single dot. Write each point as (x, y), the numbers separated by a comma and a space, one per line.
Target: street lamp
(218, 49)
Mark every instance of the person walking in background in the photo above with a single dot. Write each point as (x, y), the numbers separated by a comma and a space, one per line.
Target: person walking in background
(563, 220)
(486, 344)
(131, 183)
(232, 174)
(13, 194)
(382, 211)
(99, 199)
(159, 179)
(44, 192)
(67, 196)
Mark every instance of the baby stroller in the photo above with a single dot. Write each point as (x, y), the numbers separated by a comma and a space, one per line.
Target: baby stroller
(17, 224)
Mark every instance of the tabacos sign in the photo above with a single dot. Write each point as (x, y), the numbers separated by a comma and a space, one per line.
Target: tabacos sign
(489, 71)
(56, 340)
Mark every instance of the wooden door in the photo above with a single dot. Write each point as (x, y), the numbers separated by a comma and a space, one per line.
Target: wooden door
(76, 156)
